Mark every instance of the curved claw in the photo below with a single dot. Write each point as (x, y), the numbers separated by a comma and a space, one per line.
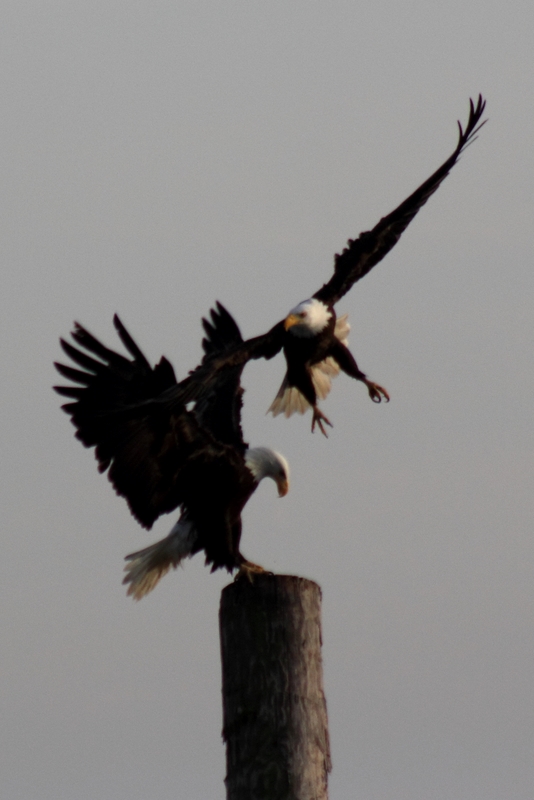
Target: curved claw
(377, 393)
(318, 418)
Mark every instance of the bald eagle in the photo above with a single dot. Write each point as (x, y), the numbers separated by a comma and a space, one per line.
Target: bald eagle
(313, 339)
(161, 458)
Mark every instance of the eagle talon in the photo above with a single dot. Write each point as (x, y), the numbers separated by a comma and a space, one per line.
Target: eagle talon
(319, 418)
(247, 570)
(377, 393)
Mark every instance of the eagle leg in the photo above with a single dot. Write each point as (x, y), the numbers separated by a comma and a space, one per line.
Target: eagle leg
(247, 570)
(376, 393)
(342, 355)
(318, 418)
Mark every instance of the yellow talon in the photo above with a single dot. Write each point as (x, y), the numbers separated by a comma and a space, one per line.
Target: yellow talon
(318, 418)
(247, 570)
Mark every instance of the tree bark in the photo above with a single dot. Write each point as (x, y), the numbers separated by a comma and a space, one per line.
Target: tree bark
(274, 709)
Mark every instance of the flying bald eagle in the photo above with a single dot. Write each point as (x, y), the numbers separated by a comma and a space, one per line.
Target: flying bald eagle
(160, 459)
(314, 341)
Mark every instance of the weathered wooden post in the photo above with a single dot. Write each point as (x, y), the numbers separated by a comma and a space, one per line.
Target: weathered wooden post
(274, 709)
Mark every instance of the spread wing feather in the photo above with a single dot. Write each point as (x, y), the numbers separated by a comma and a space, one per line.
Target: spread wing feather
(218, 405)
(215, 364)
(154, 453)
(364, 253)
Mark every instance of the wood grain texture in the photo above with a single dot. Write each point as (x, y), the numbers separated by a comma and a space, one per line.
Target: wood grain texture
(274, 709)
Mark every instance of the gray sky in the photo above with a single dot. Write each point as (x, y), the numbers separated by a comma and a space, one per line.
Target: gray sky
(158, 156)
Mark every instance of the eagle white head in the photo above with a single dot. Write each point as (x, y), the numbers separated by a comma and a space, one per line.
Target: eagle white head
(308, 319)
(266, 463)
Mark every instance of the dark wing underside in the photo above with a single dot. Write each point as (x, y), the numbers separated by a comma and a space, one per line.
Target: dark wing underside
(363, 253)
(218, 407)
(155, 454)
(216, 365)
(108, 384)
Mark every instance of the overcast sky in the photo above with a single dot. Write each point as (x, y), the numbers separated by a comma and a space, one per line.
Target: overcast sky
(157, 156)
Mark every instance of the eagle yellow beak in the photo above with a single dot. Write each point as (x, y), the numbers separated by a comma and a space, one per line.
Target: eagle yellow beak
(291, 320)
(283, 486)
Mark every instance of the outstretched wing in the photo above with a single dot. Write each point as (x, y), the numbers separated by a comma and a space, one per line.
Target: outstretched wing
(370, 247)
(218, 407)
(216, 365)
(109, 383)
(148, 448)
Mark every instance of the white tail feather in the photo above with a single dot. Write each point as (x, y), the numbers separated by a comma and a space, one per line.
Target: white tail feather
(146, 567)
(289, 400)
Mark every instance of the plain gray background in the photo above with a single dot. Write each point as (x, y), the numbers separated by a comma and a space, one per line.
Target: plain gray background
(157, 156)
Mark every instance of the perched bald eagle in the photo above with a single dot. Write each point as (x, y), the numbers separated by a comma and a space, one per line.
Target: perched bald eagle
(314, 341)
(161, 459)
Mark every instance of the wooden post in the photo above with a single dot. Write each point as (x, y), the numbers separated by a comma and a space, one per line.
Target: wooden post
(274, 709)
